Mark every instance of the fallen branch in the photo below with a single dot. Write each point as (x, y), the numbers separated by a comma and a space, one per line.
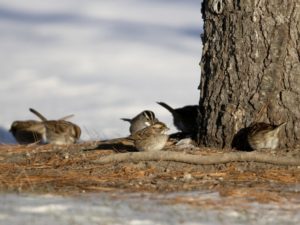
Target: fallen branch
(198, 159)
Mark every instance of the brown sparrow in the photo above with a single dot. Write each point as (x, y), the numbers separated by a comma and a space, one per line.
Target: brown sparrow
(140, 121)
(27, 132)
(58, 132)
(151, 138)
(263, 135)
(185, 118)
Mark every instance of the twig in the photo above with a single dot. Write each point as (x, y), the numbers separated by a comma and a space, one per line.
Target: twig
(200, 160)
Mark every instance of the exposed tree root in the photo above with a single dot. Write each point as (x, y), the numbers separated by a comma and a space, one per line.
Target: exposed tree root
(200, 160)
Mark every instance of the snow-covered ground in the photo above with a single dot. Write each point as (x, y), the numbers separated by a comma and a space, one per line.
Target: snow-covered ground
(140, 209)
(100, 60)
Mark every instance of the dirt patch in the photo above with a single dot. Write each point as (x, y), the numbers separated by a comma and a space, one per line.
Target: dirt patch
(75, 169)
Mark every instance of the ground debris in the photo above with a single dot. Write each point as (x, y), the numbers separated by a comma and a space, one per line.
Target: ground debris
(76, 169)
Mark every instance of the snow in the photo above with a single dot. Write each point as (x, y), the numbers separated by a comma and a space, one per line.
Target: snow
(101, 60)
(139, 209)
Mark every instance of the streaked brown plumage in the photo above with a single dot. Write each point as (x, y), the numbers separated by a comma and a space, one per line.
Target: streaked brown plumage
(185, 118)
(264, 136)
(151, 138)
(140, 121)
(59, 132)
(28, 131)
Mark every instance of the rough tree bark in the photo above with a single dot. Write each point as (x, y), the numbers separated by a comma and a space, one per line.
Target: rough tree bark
(250, 68)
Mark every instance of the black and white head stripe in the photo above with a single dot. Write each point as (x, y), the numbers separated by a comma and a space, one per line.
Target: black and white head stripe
(149, 115)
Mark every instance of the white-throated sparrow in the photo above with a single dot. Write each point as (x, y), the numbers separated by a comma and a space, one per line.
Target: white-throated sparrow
(140, 121)
(263, 135)
(58, 132)
(151, 138)
(185, 118)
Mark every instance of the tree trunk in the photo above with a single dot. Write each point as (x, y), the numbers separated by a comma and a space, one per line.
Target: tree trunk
(250, 68)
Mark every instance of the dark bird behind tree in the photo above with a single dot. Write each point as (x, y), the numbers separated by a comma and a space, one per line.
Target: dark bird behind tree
(185, 118)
